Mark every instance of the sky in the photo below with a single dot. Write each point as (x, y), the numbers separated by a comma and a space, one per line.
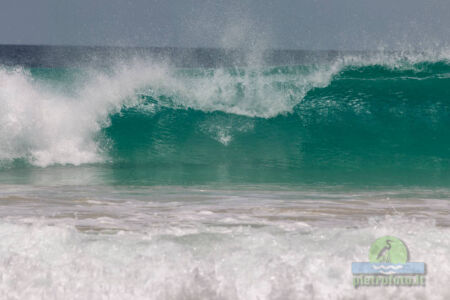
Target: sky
(282, 24)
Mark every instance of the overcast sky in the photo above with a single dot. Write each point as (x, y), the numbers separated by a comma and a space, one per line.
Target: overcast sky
(293, 24)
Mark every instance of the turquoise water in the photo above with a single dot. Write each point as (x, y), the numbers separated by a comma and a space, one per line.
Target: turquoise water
(352, 121)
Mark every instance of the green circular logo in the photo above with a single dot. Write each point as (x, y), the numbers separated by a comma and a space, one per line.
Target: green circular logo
(388, 249)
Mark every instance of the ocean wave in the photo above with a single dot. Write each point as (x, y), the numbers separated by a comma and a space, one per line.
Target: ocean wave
(90, 119)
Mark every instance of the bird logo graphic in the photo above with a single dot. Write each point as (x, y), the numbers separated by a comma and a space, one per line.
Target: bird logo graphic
(383, 255)
(388, 249)
(388, 265)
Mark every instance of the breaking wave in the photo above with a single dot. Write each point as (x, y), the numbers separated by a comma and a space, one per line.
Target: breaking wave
(352, 112)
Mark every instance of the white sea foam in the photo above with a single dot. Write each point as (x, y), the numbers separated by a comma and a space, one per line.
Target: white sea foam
(49, 127)
(99, 242)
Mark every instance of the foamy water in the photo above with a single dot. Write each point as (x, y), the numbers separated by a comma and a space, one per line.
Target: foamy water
(192, 243)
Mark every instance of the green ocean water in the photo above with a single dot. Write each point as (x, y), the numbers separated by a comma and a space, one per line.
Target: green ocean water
(370, 123)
